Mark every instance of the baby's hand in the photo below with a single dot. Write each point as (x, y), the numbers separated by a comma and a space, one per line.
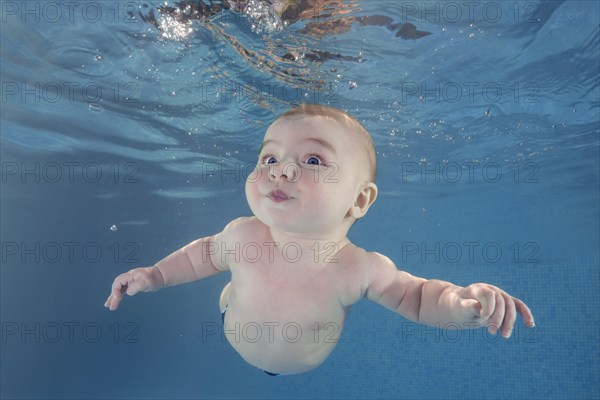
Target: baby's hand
(490, 306)
(132, 282)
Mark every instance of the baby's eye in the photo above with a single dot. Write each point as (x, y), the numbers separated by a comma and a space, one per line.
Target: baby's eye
(313, 159)
(268, 159)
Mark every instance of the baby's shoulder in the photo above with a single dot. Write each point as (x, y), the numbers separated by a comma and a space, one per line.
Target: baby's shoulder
(242, 229)
(362, 257)
(358, 267)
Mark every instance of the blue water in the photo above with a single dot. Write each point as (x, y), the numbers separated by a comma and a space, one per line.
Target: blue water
(113, 139)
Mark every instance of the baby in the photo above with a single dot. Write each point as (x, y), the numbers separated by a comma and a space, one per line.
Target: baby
(294, 273)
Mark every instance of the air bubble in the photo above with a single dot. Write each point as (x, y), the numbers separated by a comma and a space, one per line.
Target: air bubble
(113, 228)
(95, 107)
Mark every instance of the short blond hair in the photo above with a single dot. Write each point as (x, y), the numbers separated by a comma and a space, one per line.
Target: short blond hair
(343, 118)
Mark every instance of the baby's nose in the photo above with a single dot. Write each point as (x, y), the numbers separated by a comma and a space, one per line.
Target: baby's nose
(286, 170)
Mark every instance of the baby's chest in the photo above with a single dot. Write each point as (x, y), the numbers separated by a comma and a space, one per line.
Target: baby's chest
(306, 289)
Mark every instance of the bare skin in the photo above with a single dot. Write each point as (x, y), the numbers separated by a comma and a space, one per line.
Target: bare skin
(294, 272)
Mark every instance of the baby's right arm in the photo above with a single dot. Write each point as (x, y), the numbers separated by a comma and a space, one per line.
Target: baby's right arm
(190, 263)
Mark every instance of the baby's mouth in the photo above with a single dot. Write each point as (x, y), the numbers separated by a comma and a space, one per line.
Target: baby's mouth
(278, 196)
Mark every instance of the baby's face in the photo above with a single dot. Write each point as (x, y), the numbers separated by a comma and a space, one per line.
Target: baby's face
(309, 173)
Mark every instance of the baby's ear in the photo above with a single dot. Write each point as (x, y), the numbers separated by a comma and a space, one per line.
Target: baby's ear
(363, 201)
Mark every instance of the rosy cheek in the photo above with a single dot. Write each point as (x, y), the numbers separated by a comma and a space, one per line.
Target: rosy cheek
(309, 177)
(256, 177)
(253, 183)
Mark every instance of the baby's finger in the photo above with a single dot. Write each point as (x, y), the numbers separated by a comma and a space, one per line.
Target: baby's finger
(118, 287)
(136, 286)
(525, 312)
(112, 303)
(495, 321)
(470, 309)
(120, 284)
(487, 298)
(510, 316)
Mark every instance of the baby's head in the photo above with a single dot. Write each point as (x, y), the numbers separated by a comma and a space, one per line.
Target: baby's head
(352, 128)
(315, 173)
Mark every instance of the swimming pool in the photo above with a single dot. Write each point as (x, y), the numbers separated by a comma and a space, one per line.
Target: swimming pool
(120, 144)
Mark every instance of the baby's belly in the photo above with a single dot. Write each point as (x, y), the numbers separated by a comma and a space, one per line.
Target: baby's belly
(283, 345)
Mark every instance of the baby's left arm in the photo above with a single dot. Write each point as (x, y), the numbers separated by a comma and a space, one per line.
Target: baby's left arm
(443, 304)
